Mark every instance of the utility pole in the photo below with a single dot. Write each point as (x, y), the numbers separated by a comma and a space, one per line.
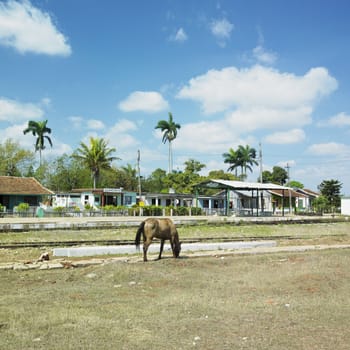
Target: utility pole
(290, 194)
(260, 162)
(138, 171)
(288, 168)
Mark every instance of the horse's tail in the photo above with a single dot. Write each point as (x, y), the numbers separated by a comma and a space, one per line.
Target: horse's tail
(138, 235)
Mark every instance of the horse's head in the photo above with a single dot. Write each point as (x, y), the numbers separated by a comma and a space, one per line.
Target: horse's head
(177, 249)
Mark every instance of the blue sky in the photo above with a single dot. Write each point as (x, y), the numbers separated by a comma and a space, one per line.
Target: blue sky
(274, 72)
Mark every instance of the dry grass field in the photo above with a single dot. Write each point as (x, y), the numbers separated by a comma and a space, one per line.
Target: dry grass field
(275, 301)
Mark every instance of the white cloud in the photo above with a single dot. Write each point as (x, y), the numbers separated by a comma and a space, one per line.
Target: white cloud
(94, 124)
(28, 29)
(287, 163)
(263, 56)
(76, 121)
(180, 36)
(286, 137)
(329, 149)
(119, 135)
(208, 137)
(145, 101)
(255, 118)
(13, 111)
(221, 28)
(339, 120)
(258, 86)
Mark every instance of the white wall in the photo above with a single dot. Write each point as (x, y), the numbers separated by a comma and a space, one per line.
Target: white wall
(345, 206)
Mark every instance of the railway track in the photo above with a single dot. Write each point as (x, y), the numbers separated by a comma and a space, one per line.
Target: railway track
(16, 245)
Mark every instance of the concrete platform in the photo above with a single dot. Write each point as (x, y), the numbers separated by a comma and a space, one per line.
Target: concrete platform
(154, 248)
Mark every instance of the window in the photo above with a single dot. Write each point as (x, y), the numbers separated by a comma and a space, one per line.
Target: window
(128, 200)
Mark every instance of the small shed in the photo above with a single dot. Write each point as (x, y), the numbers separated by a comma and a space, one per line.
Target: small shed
(15, 190)
(255, 189)
(345, 206)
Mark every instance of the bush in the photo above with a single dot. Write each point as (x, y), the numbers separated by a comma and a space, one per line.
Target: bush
(196, 211)
(59, 210)
(22, 207)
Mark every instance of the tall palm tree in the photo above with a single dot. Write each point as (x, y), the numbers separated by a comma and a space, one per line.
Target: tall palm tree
(247, 158)
(96, 156)
(39, 129)
(231, 157)
(169, 129)
(244, 157)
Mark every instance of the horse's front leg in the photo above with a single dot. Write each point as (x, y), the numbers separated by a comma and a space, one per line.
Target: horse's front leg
(161, 248)
(172, 243)
(146, 244)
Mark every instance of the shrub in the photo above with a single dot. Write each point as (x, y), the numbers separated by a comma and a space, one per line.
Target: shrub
(59, 210)
(22, 207)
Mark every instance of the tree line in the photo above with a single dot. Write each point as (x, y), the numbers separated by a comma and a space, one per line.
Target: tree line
(92, 164)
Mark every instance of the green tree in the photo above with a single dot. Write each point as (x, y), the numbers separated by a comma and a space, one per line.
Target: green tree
(183, 181)
(320, 204)
(66, 173)
(193, 166)
(155, 182)
(330, 189)
(231, 157)
(277, 176)
(267, 176)
(14, 160)
(131, 175)
(39, 129)
(169, 129)
(244, 158)
(295, 184)
(221, 175)
(96, 156)
(247, 158)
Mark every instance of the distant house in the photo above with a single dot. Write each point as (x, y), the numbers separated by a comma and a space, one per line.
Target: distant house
(94, 198)
(15, 190)
(305, 203)
(167, 199)
(288, 201)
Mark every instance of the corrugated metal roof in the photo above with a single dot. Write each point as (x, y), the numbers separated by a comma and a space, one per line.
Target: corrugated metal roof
(241, 185)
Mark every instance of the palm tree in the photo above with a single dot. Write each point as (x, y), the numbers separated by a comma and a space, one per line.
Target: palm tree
(231, 157)
(247, 158)
(39, 129)
(95, 156)
(244, 157)
(169, 127)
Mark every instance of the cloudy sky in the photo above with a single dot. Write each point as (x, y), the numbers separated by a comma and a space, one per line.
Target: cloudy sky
(272, 72)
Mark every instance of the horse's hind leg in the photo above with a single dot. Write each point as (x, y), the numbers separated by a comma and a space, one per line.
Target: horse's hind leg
(146, 244)
(161, 248)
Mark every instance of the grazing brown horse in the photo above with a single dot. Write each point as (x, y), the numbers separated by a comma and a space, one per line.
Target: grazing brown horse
(158, 228)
